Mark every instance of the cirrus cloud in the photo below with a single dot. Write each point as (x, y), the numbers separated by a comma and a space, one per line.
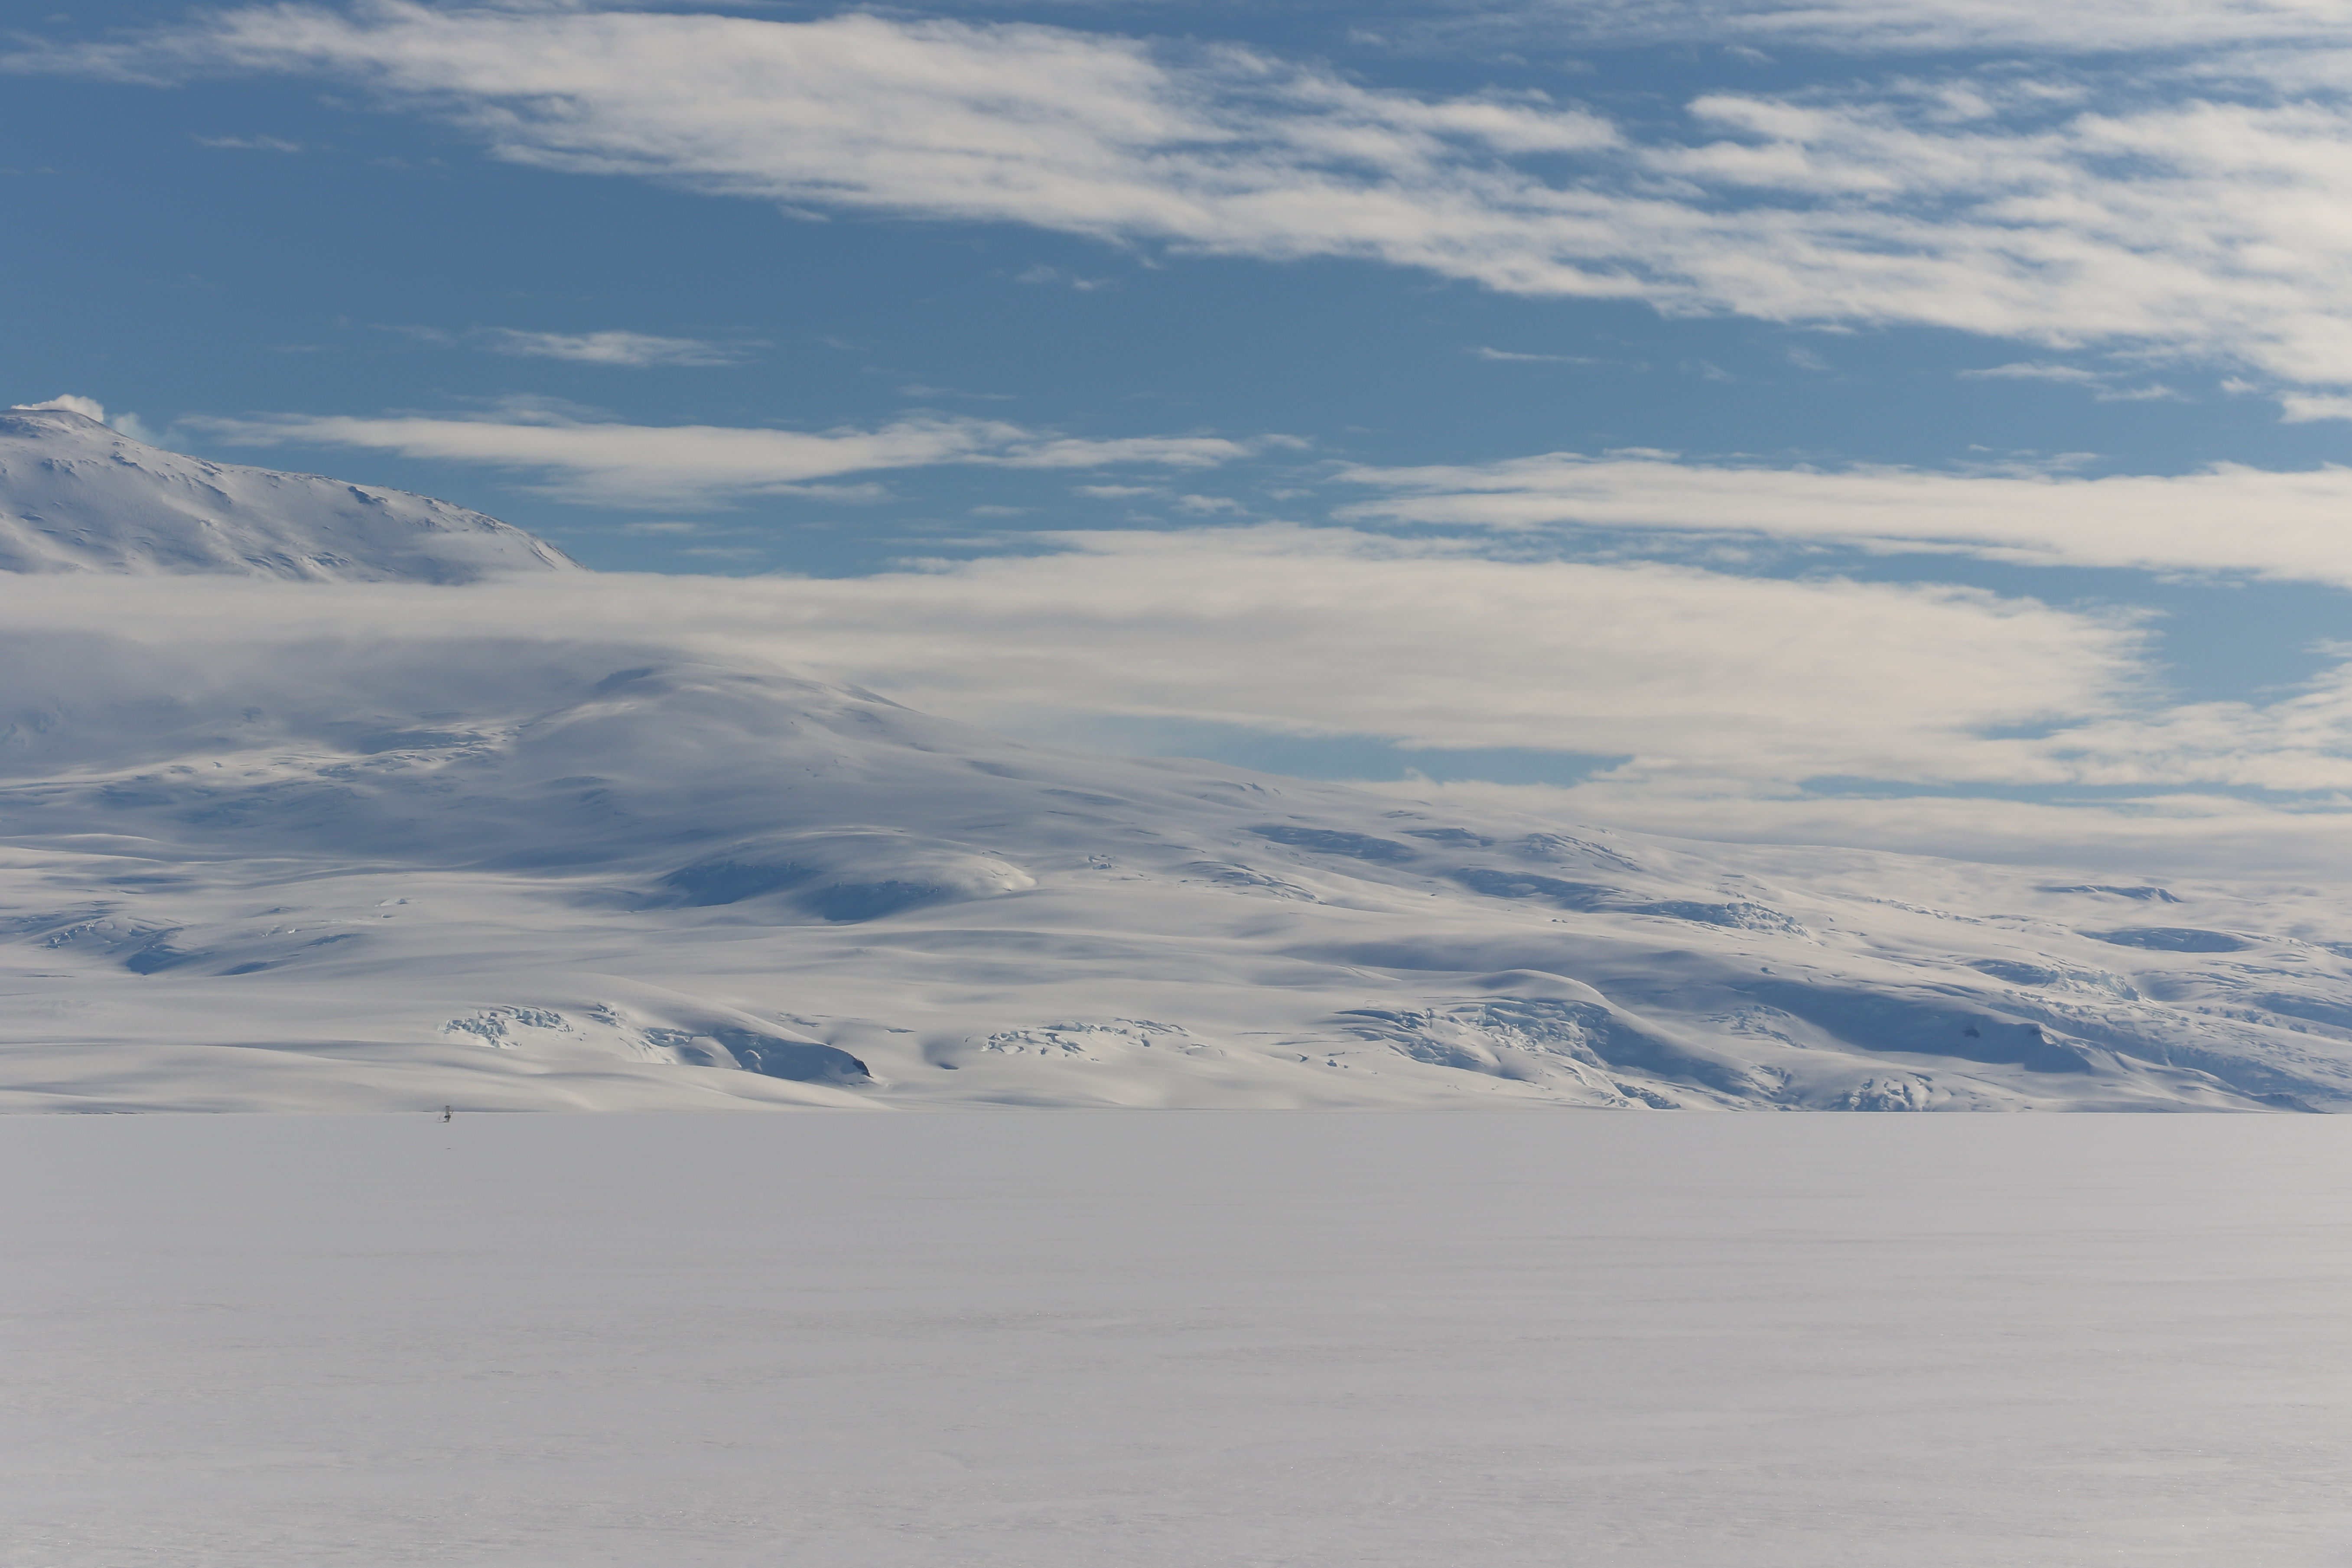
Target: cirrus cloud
(2171, 220)
(1866, 26)
(608, 463)
(635, 350)
(2228, 519)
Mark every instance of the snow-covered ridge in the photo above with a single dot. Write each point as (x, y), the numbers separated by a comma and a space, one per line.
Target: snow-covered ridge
(75, 496)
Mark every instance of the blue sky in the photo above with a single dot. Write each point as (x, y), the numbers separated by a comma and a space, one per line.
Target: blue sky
(1745, 419)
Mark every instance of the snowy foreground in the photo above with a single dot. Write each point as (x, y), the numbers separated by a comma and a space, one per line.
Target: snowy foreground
(349, 846)
(1098, 1339)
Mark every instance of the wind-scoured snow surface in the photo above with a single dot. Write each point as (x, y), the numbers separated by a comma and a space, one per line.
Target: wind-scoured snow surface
(350, 847)
(75, 496)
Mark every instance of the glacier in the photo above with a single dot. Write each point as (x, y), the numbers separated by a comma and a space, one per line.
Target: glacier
(307, 848)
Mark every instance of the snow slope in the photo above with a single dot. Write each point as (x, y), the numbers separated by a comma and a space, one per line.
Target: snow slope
(75, 496)
(522, 872)
(300, 845)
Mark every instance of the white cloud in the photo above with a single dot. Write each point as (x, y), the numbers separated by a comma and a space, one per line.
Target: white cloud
(1041, 273)
(2034, 372)
(88, 407)
(251, 143)
(127, 423)
(1727, 693)
(1327, 632)
(924, 389)
(610, 464)
(2100, 382)
(2303, 408)
(2094, 26)
(2197, 227)
(2023, 209)
(1322, 631)
(255, 145)
(632, 349)
(2284, 526)
(1510, 356)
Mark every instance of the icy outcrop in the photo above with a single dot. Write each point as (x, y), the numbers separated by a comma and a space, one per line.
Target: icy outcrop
(75, 496)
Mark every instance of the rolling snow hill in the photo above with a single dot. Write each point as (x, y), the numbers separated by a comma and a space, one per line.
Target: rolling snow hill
(358, 860)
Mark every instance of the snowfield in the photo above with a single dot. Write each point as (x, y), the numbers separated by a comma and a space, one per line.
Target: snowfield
(1015, 1340)
(303, 846)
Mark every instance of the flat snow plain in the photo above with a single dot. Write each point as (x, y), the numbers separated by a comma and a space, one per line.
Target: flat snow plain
(1098, 1339)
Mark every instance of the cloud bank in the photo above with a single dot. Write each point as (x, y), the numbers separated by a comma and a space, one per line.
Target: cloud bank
(1319, 631)
(1739, 705)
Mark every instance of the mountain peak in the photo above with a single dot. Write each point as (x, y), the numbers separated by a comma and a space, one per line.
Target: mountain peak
(76, 496)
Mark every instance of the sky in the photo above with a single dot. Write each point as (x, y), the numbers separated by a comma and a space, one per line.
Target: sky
(1906, 424)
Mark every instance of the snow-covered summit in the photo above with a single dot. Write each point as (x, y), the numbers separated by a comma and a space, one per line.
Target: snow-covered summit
(75, 496)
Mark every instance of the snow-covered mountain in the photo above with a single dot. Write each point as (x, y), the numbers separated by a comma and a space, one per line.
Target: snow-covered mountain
(342, 856)
(75, 496)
